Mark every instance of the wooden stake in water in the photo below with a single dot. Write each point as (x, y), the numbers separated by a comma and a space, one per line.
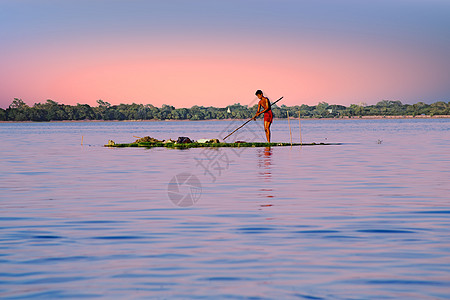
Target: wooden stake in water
(300, 127)
(81, 140)
(290, 132)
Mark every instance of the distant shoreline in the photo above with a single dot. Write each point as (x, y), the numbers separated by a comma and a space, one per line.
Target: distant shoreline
(292, 118)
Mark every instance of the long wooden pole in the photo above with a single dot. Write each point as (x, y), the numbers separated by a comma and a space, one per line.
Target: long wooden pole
(300, 128)
(289, 122)
(238, 128)
(247, 122)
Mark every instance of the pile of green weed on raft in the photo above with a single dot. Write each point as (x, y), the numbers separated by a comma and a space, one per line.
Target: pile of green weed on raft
(181, 142)
(152, 142)
(185, 143)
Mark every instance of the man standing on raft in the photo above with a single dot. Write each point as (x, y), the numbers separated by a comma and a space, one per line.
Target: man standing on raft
(268, 115)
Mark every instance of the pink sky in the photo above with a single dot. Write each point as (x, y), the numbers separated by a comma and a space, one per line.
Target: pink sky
(203, 68)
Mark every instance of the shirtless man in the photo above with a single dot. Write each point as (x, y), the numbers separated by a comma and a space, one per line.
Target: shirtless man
(268, 115)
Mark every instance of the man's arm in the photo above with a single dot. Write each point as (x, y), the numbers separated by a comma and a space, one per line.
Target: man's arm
(257, 112)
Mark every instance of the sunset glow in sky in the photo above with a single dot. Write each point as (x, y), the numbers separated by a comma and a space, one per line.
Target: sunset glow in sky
(217, 53)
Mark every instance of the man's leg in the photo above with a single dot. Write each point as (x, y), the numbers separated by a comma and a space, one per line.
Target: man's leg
(267, 130)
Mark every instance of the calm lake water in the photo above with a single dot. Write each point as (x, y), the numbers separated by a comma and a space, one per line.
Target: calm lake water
(368, 219)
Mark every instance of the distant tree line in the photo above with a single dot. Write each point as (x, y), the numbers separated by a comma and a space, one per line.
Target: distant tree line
(53, 111)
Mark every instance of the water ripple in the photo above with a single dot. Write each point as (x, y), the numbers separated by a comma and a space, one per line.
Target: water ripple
(357, 221)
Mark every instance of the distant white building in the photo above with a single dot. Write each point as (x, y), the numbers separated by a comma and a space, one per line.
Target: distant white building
(229, 110)
(330, 110)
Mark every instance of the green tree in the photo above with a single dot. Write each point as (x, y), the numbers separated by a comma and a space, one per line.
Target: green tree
(18, 103)
(54, 110)
(438, 108)
(152, 112)
(321, 110)
(356, 110)
(165, 111)
(18, 110)
(51, 110)
(102, 103)
(3, 115)
(197, 113)
(85, 112)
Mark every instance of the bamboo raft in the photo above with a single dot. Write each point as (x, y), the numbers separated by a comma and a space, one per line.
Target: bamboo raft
(210, 145)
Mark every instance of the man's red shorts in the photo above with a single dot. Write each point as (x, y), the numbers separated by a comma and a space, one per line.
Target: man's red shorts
(268, 116)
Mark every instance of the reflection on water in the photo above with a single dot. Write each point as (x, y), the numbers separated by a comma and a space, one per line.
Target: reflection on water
(265, 172)
(364, 220)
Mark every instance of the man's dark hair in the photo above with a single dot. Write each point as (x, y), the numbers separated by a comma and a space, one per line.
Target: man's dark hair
(258, 92)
